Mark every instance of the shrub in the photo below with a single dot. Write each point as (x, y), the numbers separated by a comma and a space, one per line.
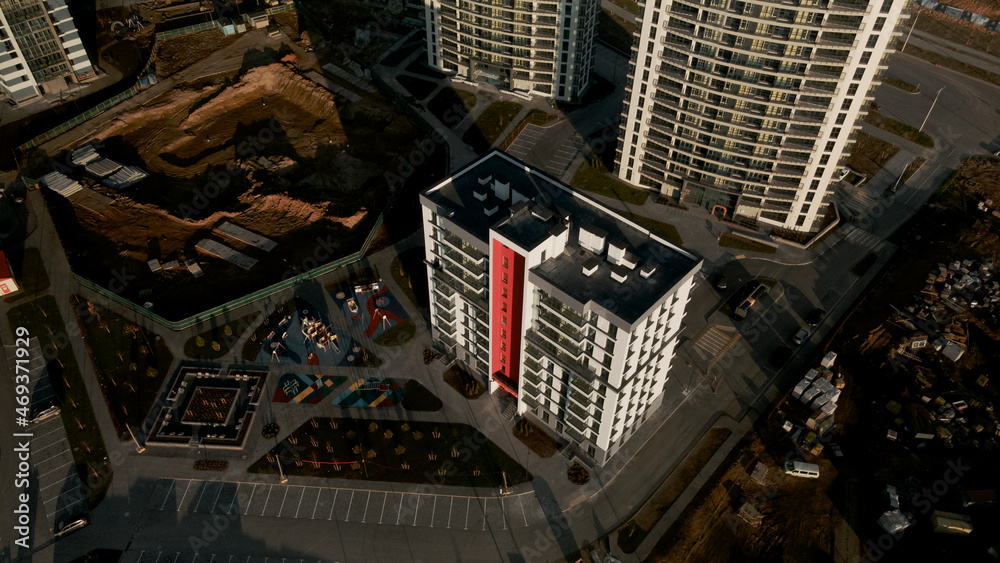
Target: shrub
(578, 475)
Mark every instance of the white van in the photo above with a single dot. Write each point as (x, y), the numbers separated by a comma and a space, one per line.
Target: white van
(802, 469)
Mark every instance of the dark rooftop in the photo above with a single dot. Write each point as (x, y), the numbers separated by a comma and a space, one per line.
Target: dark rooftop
(540, 207)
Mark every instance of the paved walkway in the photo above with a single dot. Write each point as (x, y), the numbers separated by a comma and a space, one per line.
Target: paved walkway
(953, 50)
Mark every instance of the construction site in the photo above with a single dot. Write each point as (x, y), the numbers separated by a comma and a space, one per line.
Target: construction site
(264, 134)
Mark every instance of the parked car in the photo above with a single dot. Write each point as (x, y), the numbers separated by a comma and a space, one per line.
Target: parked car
(801, 336)
(802, 469)
(815, 317)
(721, 281)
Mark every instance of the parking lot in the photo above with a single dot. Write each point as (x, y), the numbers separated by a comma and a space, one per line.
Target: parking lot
(59, 485)
(366, 506)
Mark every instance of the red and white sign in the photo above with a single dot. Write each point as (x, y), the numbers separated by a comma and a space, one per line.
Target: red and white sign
(7, 283)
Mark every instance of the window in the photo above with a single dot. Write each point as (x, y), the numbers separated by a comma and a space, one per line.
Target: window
(19, 66)
(859, 74)
(830, 145)
(503, 346)
(886, 6)
(835, 132)
(503, 333)
(503, 292)
(872, 41)
(824, 160)
(503, 358)
(879, 24)
(504, 277)
(815, 185)
(845, 105)
(841, 118)
(853, 89)
(503, 304)
(503, 320)
(866, 57)
(504, 261)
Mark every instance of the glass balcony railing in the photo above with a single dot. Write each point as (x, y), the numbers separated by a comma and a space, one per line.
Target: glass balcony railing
(561, 310)
(564, 328)
(458, 244)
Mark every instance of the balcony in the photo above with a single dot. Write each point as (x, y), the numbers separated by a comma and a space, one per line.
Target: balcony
(471, 267)
(476, 298)
(570, 363)
(475, 283)
(562, 311)
(444, 315)
(506, 382)
(456, 242)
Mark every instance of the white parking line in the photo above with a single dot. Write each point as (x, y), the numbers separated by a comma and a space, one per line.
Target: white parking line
(217, 495)
(383, 508)
(315, 506)
(434, 511)
(467, 501)
(63, 481)
(521, 500)
(484, 512)
(252, 493)
(282, 507)
(416, 510)
(334, 503)
(365, 515)
(299, 507)
(349, 505)
(181, 502)
(503, 514)
(450, 506)
(400, 511)
(171, 488)
(268, 498)
(198, 502)
(158, 554)
(233, 502)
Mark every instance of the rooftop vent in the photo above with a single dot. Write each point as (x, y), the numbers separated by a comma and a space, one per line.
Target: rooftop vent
(480, 193)
(619, 274)
(543, 213)
(619, 254)
(590, 267)
(592, 238)
(485, 180)
(502, 190)
(648, 269)
(490, 208)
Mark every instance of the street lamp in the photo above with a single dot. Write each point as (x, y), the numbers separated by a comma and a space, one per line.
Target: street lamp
(930, 108)
(915, 18)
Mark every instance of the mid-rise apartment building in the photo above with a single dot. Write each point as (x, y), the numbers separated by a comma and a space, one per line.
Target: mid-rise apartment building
(569, 307)
(543, 47)
(749, 107)
(40, 48)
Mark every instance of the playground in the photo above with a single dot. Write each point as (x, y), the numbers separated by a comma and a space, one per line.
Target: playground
(306, 389)
(372, 308)
(307, 337)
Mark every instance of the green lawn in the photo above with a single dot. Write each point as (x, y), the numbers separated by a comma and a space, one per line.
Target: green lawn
(131, 363)
(729, 240)
(42, 319)
(616, 31)
(899, 128)
(451, 106)
(416, 397)
(490, 124)
(479, 463)
(902, 85)
(599, 181)
(628, 5)
(410, 273)
(29, 273)
(217, 340)
(665, 230)
(397, 335)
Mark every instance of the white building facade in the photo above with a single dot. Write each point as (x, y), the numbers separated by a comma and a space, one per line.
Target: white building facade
(541, 47)
(750, 108)
(566, 306)
(40, 48)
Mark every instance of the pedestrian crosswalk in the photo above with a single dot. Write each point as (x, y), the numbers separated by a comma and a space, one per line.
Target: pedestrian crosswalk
(715, 342)
(862, 238)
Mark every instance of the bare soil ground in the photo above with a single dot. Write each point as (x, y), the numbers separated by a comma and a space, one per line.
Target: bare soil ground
(798, 517)
(988, 8)
(263, 147)
(181, 52)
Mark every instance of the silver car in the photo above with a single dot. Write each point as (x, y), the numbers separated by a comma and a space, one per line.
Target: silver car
(801, 336)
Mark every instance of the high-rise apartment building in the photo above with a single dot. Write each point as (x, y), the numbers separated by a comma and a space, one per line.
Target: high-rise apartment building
(751, 105)
(567, 306)
(543, 47)
(40, 48)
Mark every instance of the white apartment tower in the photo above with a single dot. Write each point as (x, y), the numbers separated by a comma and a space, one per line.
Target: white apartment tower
(543, 47)
(749, 107)
(40, 48)
(563, 304)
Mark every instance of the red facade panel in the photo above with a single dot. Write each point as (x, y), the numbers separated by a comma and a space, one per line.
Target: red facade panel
(506, 302)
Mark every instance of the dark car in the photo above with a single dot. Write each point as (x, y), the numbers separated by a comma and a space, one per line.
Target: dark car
(815, 317)
(721, 281)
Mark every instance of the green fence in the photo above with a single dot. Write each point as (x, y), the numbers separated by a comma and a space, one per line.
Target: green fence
(185, 30)
(241, 301)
